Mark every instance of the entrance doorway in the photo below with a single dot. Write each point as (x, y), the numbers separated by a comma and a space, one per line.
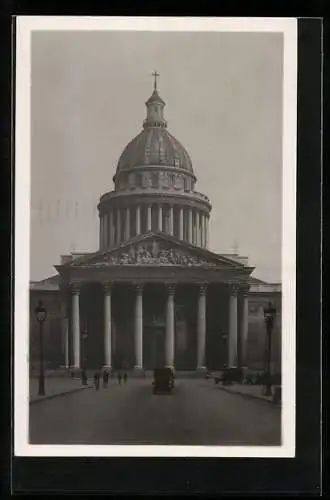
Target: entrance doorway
(154, 347)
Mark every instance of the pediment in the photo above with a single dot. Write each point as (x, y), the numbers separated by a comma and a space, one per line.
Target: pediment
(155, 250)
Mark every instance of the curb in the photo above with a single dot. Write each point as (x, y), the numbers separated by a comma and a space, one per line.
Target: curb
(249, 396)
(64, 393)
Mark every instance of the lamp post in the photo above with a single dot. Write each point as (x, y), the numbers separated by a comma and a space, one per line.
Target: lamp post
(269, 317)
(41, 314)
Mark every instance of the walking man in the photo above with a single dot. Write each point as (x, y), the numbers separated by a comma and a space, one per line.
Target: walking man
(97, 380)
(119, 378)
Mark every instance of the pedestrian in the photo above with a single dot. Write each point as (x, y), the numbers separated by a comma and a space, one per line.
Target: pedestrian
(119, 378)
(125, 377)
(97, 380)
(105, 378)
(84, 377)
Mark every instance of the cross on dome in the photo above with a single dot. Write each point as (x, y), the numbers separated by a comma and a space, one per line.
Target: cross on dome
(155, 74)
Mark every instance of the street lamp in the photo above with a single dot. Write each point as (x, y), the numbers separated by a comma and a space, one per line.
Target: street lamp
(269, 317)
(41, 315)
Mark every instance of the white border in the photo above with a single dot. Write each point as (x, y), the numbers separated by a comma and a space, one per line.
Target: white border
(24, 27)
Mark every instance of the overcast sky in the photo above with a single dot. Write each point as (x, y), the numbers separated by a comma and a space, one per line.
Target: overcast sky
(223, 94)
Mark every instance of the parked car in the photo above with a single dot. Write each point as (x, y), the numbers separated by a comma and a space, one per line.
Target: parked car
(232, 375)
(163, 381)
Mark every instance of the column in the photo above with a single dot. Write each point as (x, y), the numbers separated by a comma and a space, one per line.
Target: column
(202, 230)
(127, 224)
(118, 227)
(169, 339)
(171, 221)
(75, 290)
(160, 218)
(101, 232)
(149, 218)
(207, 232)
(232, 338)
(107, 324)
(201, 327)
(111, 229)
(106, 243)
(65, 330)
(138, 333)
(198, 240)
(138, 220)
(190, 225)
(181, 223)
(244, 324)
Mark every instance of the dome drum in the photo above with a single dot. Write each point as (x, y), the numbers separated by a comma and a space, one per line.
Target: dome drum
(185, 222)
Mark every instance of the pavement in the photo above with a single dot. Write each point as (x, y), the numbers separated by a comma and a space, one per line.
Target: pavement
(248, 391)
(196, 413)
(54, 386)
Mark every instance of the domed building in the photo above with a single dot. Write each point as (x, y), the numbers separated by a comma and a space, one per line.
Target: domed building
(153, 294)
(154, 188)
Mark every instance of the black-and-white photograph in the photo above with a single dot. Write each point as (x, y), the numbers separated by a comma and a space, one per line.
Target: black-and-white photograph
(159, 211)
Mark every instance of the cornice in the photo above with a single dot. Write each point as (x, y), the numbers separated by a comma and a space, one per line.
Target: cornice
(116, 199)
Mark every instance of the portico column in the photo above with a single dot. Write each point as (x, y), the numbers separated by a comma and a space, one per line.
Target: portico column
(169, 341)
(160, 218)
(149, 218)
(244, 324)
(232, 339)
(198, 239)
(127, 224)
(65, 330)
(138, 220)
(111, 229)
(138, 333)
(201, 327)
(75, 290)
(107, 324)
(118, 226)
(171, 228)
(190, 225)
(181, 223)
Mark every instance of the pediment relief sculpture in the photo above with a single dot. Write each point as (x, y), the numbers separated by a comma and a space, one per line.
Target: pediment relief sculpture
(151, 253)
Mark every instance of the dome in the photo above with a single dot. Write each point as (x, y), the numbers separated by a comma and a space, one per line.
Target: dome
(155, 146)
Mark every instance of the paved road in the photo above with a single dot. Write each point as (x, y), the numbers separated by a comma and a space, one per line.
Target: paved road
(197, 413)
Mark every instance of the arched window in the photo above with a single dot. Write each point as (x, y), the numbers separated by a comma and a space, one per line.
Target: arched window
(154, 179)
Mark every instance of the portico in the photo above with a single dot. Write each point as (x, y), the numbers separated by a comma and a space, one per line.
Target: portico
(156, 301)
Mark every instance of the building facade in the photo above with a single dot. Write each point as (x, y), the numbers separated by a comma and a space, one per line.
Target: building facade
(154, 294)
